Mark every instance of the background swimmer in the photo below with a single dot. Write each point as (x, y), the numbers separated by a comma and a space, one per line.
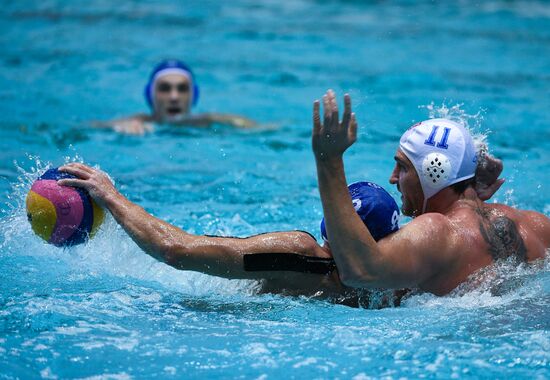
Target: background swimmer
(171, 91)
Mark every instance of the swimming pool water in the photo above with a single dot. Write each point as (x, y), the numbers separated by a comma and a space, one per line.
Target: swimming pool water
(107, 310)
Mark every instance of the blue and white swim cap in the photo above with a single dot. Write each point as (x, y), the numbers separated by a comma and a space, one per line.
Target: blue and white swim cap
(376, 208)
(166, 67)
(442, 152)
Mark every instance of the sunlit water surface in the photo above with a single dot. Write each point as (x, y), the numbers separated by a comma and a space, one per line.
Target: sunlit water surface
(106, 310)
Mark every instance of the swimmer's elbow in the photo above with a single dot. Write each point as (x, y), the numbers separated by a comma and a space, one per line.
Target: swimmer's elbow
(170, 258)
(359, 274)
(368, 281)
(172, 254)
(357, 279)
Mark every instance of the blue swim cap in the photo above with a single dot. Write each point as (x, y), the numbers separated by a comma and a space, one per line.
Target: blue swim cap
(376, 208)
(169, 65)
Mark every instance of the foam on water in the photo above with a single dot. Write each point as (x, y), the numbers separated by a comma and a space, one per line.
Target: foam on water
(500, 284)
(110, 252)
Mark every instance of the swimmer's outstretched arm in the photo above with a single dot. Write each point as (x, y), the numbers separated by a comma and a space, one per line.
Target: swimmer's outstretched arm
(207, 119)
(217, 256)
(404, 258)
(132, 125)
(141, 124)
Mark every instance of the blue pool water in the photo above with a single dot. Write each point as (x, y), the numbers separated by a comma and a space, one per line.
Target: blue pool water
(106, 310)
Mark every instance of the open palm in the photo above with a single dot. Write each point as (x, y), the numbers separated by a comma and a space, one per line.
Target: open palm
(331, 138)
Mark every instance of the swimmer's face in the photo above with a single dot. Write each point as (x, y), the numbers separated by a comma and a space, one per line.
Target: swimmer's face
(172, 97)
(405, 177)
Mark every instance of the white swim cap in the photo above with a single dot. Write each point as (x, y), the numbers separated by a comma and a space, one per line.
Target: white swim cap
(442, 152)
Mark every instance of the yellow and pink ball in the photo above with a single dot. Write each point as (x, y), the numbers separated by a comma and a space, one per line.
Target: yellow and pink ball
(62, 215)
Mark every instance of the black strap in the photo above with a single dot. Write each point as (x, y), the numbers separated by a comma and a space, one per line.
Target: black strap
(257, 262)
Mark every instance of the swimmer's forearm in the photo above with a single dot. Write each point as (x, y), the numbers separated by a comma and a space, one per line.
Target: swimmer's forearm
(218, 256)
(351, 244)
(151, 234)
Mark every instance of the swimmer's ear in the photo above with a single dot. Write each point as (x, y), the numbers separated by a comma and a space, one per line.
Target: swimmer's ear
(485, 192)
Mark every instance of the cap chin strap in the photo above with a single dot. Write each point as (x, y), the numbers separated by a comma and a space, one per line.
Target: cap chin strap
(424, 205)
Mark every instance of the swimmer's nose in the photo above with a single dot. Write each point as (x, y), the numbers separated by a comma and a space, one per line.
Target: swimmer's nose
(174, 94)
(394, 177)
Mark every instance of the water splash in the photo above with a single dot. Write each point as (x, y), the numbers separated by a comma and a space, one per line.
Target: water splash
(25, 178)
(499, 284)
(111, 253)
(456, 113)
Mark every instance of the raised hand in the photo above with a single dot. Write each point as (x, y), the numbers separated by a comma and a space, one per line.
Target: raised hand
(97, 183)
(332, 137)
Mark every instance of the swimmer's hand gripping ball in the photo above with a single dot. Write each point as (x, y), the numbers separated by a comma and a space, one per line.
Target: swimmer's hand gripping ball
(62, 215)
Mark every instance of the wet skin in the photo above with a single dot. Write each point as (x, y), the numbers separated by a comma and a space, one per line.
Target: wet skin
(456, 235)
(489, 232)
(437, 251)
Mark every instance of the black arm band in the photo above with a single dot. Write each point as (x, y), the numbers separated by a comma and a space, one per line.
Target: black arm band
(257, 262)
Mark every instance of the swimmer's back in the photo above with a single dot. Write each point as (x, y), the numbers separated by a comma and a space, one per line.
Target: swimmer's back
(502, 232)
(480, 234)
(533, 227)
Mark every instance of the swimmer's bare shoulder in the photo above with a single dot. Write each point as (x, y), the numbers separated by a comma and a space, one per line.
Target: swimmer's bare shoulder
(534, 228)
(540, 224)
(419, 250)
(466, 239)
(440, 251)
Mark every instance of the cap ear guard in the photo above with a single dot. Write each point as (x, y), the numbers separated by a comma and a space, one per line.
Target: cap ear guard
(436, 169)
